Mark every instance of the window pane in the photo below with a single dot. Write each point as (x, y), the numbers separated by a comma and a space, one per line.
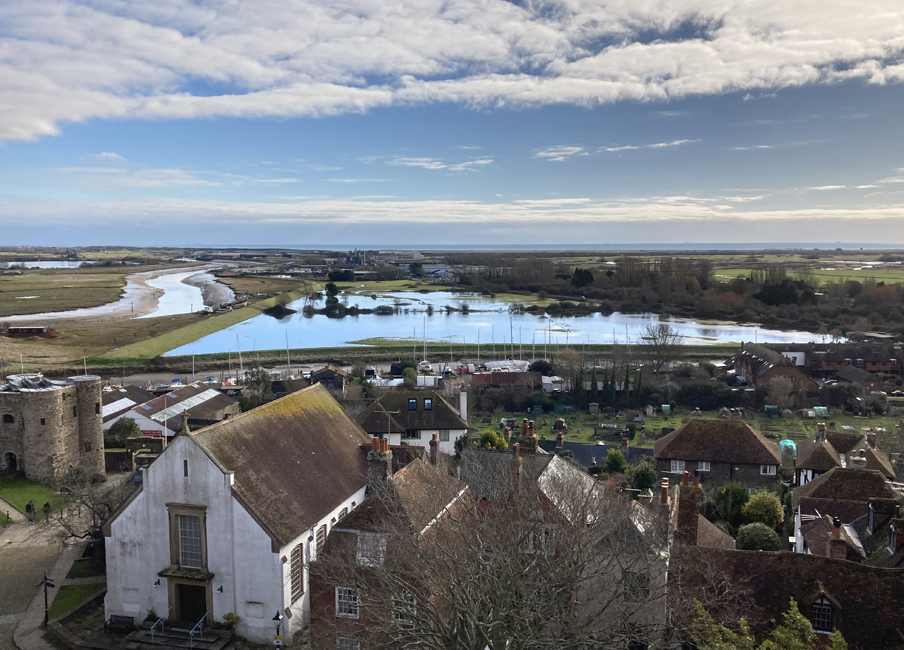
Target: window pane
(412, 405)
(821, 618)
(371, 549)
(190, 541)
(428, 404)
(296, 572)
(346, 602)
(444, 435)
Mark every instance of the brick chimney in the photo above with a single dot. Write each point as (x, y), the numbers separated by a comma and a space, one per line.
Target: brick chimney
(625, 445)
(517, 464)
(687, 518)
(434, 449)
(528, 439)
(664, 492)
(560, 440)
(379, 465)
(836, 547)
(821, 431)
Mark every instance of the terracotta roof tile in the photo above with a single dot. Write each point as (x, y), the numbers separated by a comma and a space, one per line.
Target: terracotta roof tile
(720, 441)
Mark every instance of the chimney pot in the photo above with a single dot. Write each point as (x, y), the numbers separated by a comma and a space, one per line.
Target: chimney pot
(524, 427)
(684, 477)
(376, 444)
(530, 426)
(385, 447)
(696, 479)
(516, 450)
(560, 440)
(664, 492)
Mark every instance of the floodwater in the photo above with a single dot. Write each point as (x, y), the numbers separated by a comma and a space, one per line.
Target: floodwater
(178, 297)
(51, 264)
(489, 323)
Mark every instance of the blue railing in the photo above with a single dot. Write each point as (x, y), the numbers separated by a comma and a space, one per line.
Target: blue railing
(199, 628)
(161, 622)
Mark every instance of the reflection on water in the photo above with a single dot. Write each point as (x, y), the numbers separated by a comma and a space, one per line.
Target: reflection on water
(179, 298)
(51, 264)
(488, 322)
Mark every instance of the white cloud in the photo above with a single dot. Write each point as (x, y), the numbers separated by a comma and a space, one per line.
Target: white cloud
(824, 188)
(754, 147)
(72, 61)
(656, 145)
(108, 155)
(560, 153)
(866, 187)
(350, 181)
(435, 164)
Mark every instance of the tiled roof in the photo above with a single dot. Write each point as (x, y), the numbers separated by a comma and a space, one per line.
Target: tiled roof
(441, 416)
(718, 441)
(711, 536)
(855, 375)
(843, 441)
(818, 455)
(878, 460)
(295, 459)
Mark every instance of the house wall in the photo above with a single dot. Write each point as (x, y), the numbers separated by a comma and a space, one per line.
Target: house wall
(149, 426)
(719, 473)
(239, 553)
(800, 382)
(426, 435)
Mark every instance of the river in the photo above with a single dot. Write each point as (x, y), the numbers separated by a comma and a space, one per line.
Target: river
(489, 322)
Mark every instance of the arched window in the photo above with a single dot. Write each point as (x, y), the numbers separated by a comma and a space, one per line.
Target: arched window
(8, 419)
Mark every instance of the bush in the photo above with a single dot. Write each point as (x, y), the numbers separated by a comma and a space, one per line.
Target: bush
(765, 508)
(542, 366)
(643, 475)
(568, 455)
(757, 537)
(615, 462)
(730, 501)
(493, 440)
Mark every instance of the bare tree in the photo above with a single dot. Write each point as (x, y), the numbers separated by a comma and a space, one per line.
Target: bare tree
(89, 503)
(518, 562)
(780, 391)
(662, 344)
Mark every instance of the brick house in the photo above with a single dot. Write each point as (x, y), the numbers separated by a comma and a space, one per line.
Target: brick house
(830, 449)
(854, 375)
(719, 451)
(412, 417)
(759, 365)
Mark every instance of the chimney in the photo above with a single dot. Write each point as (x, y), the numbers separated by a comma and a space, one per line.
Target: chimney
(560, 440)
(625, 444)
(664, 492)
(821, 431)
(463, 404)
(517, 465)
(379, 465)
(524, 427)
(871, 439)
(684, 478)
(434, 449)
(530, 427)
(836, 547)
(688, 513)
(696, 479)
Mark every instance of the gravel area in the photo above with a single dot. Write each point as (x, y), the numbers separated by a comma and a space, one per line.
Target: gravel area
(21, 570)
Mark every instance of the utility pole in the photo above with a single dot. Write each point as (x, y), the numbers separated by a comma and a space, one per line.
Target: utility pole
(47, 583)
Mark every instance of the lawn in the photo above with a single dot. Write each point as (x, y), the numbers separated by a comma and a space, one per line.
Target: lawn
(18, 491)
(70, 596)
(87, 567)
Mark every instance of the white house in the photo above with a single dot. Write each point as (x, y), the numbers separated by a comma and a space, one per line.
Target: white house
(412, 417)
(226, 519)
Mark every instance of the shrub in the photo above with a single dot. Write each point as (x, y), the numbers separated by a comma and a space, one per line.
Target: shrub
(766, 508)
(758, 537)
(643, 475)
(493, 440)
(123, 429)
(615, 462)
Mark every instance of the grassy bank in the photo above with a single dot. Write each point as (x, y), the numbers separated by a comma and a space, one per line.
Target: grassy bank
(18, 491)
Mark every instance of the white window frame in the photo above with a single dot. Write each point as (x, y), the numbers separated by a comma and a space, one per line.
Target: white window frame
(768, 470)
(444, 435)
(676, 467)
(347, 603)
(296, 572)
(404, 609)
(703, 466)
(187, 552)
(371, 549)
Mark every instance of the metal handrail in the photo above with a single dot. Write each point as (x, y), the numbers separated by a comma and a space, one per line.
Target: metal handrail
(199, 627)
(161, 622)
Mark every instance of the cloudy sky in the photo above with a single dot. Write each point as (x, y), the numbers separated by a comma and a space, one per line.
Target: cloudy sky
(427, 122)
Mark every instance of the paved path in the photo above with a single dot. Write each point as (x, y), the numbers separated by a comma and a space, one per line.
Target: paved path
(6, 508)
(30, 633)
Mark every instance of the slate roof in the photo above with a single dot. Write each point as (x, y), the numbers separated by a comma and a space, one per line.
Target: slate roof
(855, 375)
(586, 453)
(442, 416)
(420, 490)
(718, 441)
(760, 358)
(119, 400)
(295, 459)
(818, 455)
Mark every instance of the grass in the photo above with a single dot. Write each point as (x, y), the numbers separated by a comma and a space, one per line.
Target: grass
(87, 568)
(70, 596)
(253, 284)
(18, 491)
(63, 289)
(581, 424)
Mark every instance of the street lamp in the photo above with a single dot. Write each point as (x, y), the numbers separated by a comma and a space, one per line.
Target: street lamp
(278, 621)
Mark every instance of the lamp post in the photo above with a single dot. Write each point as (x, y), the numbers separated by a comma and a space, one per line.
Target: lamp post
(277, 620)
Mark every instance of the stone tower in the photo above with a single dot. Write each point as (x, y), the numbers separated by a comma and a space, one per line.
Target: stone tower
(90, 424)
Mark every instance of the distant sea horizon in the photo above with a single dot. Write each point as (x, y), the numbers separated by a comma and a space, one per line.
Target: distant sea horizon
(685, 246)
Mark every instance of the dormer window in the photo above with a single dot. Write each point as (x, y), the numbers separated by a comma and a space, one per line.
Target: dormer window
(822, 615)
(428, 404)
(412, 404)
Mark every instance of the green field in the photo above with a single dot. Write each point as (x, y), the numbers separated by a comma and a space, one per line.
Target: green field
(71, 595)
(18, 491)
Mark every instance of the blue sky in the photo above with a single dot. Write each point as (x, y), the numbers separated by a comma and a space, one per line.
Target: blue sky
(374, 123)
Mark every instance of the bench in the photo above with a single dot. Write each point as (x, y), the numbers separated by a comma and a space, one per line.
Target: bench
(116, 622)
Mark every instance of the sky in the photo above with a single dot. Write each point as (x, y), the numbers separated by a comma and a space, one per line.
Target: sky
(373, 123)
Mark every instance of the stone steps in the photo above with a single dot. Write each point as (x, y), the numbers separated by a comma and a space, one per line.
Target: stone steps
(175, 638)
